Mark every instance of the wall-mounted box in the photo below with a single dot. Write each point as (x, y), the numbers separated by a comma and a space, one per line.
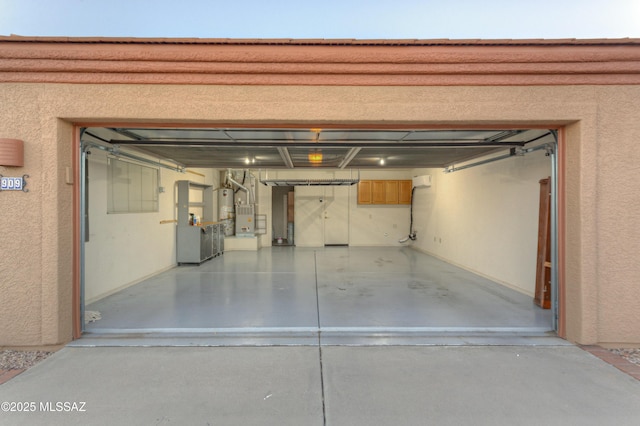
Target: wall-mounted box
(11, 152)
(422, 181)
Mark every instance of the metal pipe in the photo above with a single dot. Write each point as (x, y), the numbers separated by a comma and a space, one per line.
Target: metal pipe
(233, 181)
(241, 186)
(253, 195)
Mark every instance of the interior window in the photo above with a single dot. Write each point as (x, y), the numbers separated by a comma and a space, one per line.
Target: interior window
(132, 188)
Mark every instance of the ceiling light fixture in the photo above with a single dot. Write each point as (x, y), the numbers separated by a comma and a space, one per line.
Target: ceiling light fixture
(382, 161)
(315, 157)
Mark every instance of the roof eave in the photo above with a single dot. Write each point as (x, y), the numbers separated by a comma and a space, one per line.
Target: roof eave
(326, 42)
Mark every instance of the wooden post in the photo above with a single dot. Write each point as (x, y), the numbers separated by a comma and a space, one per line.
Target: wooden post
(542, 295)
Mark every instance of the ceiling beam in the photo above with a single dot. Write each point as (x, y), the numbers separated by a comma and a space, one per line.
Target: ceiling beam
(284, 153)
(347, 158)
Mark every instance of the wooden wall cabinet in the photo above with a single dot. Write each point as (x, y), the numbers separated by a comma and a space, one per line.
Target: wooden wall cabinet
(391, 192)
(364, 192)
(384, 192)
(378, 192)
(404, 191)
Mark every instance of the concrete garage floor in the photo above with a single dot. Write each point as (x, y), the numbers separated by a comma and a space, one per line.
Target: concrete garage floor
(310, 369)
(287, 295)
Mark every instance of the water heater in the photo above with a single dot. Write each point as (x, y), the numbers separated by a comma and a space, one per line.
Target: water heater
(226, 210)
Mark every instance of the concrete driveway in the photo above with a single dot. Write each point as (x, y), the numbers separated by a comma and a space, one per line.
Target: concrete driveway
(311, 385)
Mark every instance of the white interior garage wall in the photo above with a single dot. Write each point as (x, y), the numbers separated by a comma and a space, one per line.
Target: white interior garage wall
(485, 218)
(378, 225)
(369, 225)
(128, 247)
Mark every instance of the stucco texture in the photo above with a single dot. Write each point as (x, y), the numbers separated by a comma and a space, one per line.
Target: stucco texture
(602, 171)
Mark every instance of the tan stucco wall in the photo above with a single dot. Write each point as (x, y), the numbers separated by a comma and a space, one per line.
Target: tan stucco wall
(603, 215)
(618, 216)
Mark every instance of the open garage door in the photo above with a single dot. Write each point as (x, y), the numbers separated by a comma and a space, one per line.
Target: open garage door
(479, 217)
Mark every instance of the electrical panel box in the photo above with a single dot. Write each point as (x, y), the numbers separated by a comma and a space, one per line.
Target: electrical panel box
(421, 181)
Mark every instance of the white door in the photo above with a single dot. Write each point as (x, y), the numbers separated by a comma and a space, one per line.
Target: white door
(308, 213)
(336, 215)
